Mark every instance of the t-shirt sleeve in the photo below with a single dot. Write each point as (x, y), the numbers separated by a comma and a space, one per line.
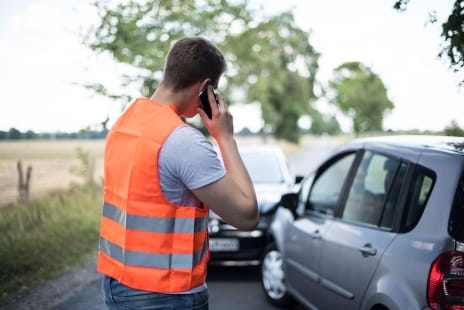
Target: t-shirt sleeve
(190, 158)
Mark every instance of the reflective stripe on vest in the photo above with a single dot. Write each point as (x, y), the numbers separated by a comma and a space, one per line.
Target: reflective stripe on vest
(154, 224)
(135, 258)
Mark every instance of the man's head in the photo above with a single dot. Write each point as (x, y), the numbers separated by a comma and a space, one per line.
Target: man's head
(191, 60)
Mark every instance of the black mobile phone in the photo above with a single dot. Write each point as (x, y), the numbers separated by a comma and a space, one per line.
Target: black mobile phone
(205, 101)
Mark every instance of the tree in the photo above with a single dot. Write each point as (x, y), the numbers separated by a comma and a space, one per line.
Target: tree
(29, 135)
(452, 33)
(333, 126)
(278, 67)
(360, 94)
(453, 129)
(14, 134)
(271, 60)
(324, 124)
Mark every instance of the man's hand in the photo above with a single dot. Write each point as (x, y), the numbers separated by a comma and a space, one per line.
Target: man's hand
(221, 124)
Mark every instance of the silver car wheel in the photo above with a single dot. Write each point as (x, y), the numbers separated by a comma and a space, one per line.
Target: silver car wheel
(273, 275)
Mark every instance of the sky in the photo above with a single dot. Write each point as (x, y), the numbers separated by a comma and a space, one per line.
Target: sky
(44, 63)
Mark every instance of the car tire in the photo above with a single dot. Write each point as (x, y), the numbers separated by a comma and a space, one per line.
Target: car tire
(272, 278)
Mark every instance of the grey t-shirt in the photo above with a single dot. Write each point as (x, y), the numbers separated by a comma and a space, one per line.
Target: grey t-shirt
(187, 161)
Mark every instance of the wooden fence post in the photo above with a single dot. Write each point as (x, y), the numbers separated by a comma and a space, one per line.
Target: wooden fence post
(23, 185)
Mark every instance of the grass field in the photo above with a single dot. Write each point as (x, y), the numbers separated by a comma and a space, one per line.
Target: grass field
(51, 163)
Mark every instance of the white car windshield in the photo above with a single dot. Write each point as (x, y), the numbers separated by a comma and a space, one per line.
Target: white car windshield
(263, 169)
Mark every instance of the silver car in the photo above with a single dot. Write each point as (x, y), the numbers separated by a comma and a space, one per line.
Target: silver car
(379, 225)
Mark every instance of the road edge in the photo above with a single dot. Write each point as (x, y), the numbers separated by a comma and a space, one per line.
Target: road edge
(53, 292)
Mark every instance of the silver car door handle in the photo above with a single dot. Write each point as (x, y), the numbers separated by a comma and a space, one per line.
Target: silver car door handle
(316, 235)
(368, 250)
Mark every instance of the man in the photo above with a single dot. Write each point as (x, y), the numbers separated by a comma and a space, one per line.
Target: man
(161, 176)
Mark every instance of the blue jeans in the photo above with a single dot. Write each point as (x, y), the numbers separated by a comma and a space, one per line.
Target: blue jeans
(117, 296)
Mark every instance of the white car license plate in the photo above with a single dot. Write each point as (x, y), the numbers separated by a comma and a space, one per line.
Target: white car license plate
(223, 244)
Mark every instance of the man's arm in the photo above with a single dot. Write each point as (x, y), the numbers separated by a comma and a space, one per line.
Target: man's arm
(233, 196)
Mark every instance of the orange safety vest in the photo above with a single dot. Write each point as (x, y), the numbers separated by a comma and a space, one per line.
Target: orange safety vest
(147, 242)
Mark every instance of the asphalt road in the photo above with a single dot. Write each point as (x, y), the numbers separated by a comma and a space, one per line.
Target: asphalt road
(230, 288)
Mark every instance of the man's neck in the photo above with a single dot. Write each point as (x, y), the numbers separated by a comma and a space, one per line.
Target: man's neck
(180, 99)
(162, 95)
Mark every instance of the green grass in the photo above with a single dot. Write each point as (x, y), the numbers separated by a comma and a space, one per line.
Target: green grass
(42, 239)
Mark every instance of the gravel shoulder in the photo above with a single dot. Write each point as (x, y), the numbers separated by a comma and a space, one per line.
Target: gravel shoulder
(51, 293)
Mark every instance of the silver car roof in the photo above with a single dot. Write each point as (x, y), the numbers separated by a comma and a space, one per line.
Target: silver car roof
(408, 146)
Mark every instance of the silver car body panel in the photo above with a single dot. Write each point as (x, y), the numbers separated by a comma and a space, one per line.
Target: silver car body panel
(349, 280)
(302, 265)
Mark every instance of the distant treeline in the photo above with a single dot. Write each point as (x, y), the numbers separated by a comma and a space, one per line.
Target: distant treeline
(15, 134)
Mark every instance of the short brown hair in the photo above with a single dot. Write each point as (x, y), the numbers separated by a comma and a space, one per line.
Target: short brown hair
(190, 60)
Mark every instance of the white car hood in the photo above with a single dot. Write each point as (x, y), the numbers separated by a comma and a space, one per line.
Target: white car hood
(269, 194)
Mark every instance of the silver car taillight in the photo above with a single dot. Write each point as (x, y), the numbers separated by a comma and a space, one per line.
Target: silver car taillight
(445, 289)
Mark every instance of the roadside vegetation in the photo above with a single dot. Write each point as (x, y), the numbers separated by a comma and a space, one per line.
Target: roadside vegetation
(43, 238)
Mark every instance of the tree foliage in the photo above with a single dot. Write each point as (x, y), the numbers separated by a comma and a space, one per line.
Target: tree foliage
(453, 129)
(452, 34)
(361, 95)
(270, 59)
(324, 124)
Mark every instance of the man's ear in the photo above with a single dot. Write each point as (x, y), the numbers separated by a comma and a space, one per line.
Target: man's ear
(204, 84)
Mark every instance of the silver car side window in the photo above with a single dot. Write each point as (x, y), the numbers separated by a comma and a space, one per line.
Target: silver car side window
(327, 188)
(418, 195)
(375, 190)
